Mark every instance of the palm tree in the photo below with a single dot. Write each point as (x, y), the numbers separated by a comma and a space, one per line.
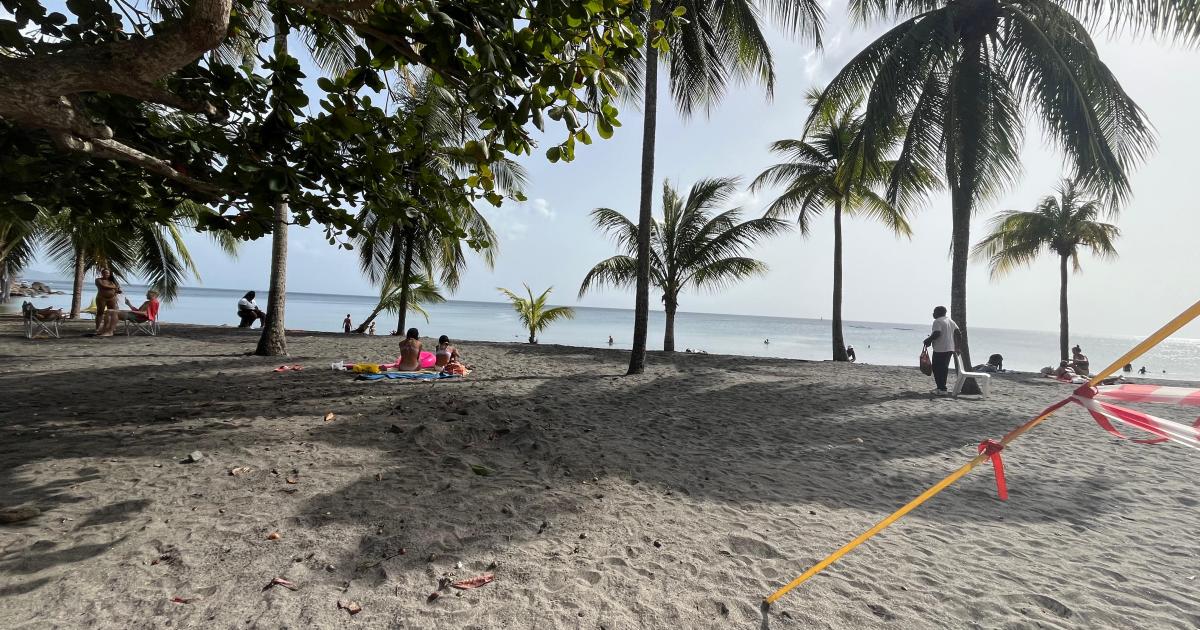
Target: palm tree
(422, 290)
(824, 171)
(533, 312)
(17, 245)
(964, 75)
(331, 46)
(716, 42)
(394, 245)
(134, 247)
(692, 247)
(1061, 224)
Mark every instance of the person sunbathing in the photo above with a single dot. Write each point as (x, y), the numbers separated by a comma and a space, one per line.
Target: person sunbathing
(1065, 369)
(43, 314)
(144, 312)
(1079, 361)
(444, 353)
(410, 352)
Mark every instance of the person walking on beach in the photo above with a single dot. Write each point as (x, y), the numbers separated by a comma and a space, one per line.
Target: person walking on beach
(346, 324)
(942, 338)
(371, 330)
(850, 354)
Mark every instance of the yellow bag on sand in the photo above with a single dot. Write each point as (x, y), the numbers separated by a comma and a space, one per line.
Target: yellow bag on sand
(365, 368)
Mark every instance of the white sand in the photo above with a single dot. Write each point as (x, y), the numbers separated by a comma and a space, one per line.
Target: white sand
(744, 472)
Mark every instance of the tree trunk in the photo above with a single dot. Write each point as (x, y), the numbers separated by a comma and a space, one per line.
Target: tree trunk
(532, 336)
(366, 323)
(273, 341)
(839, 342)
(77, 285)
(960, 248)
(406, 287)
(6, 280)
(641, 309)
(1064, 337)
(671, 304)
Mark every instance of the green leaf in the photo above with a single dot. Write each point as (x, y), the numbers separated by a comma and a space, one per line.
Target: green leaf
(555, 153)
(604, 128)
(679, 11)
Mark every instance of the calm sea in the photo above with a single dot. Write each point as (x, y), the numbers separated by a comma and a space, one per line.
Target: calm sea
(874, 342)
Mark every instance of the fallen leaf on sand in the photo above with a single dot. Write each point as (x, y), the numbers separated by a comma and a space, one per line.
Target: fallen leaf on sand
(240, 470)
(432, 596)
(273, 536)
(292, 480)
(474, 582)
(181, 600)
(351, 607)
(329, 416)
(482, 471)
(284, 582)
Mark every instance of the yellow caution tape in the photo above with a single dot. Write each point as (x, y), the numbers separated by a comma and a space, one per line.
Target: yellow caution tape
(1137, 351)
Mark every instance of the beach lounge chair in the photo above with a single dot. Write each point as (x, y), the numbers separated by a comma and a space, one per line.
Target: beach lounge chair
(135, 324)
(36, 323)
(982, 379)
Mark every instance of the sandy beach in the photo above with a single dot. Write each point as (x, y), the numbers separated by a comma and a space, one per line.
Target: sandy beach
(674, 499)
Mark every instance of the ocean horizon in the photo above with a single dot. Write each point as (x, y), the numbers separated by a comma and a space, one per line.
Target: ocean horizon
(881, 343)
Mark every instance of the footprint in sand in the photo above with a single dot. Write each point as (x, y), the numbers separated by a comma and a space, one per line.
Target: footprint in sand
(1049, 604)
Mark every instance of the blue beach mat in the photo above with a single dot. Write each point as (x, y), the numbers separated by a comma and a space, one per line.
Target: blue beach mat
(407, 376)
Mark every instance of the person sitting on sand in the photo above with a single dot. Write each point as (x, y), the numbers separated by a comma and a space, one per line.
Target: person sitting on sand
(249, 312)
(144, 312)
(1079, 361)
(107, 308)
(1064, 369)
(995, 364)
(444, 353)
(410, 352)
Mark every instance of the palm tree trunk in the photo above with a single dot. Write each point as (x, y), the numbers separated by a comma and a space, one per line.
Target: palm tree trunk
(960, 248)
(532, 336)
(672, 303)
(641, 308)
(406, 286)
(77, 284)
(839, 342)
(273, 341)
(1064, 337)
(366, 323)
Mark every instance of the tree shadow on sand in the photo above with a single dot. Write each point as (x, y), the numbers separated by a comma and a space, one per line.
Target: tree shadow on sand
(525, 448)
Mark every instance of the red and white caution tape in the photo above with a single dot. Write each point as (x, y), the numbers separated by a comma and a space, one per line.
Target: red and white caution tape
(1104, 413)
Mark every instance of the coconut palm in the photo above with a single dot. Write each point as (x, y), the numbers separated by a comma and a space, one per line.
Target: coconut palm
(331, 46)
(964, 75)
(823, 171)
(716, 42)
(130, 247)
(1061, 224)
(17, 247)
(693, 247)
(422, 290)
(397, 245)
(533, 313)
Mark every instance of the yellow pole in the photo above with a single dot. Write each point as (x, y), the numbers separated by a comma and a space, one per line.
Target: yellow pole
(1166, 331)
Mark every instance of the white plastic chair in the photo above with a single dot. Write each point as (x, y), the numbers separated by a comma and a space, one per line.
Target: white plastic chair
(982, 379)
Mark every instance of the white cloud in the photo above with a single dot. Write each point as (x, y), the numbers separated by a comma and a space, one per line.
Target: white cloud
(512, 221)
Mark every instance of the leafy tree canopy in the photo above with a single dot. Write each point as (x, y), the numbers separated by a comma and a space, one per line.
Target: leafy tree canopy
(118, 101)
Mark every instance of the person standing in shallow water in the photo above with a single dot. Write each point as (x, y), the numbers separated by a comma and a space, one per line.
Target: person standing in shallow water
(347, 324)
(943, 338)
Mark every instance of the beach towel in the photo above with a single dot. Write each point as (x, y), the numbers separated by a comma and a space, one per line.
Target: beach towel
(407, 376)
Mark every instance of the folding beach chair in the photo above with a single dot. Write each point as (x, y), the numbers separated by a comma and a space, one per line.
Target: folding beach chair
(36, 324)
(148, 326)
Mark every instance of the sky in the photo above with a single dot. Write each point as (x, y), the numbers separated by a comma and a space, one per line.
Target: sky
(549, 241)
